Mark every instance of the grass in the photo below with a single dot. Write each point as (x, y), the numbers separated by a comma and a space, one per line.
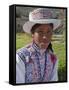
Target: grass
(59, 49)
(23, 39)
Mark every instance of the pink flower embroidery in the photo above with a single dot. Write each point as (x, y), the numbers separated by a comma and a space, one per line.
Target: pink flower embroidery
(53, 58)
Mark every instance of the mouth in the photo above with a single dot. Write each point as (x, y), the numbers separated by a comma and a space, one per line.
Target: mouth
(45, 41)
(43, 45)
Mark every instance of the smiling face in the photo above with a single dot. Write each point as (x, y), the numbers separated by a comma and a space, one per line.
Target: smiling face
(42, 35)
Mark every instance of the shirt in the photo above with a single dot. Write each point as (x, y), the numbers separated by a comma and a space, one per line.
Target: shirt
(35, 65)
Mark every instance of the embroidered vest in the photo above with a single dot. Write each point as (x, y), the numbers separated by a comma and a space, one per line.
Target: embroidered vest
(32, 65)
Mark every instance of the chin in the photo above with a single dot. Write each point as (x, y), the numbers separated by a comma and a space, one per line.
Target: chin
(44, 45)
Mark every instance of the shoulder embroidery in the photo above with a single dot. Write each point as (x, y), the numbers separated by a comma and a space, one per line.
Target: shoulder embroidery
(53, 58)
(17, 59)
(27, 59)
(25, 53)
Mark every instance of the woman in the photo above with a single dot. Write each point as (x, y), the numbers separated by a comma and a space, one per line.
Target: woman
(36, 62)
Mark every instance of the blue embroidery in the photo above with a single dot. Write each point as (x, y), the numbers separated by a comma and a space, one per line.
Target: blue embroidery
(33, 64)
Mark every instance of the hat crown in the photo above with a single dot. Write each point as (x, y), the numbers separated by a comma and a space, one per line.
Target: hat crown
(42, 13)
(42, 16)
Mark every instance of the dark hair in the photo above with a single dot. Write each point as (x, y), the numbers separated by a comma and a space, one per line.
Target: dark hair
(50, 47)
(36, 26)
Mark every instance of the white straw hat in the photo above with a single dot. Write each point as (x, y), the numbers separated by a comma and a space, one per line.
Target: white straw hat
(41, 16)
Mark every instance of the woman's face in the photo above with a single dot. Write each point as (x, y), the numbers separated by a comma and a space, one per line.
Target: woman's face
(42, 35)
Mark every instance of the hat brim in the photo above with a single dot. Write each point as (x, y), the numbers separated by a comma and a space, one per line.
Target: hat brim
(29, 24)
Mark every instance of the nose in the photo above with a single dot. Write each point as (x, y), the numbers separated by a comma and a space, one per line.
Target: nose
(44, 37)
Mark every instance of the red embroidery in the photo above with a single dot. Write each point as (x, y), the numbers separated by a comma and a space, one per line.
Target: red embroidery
(53, 58)
(31, 61)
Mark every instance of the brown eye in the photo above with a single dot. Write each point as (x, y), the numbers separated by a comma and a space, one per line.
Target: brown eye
(49, 32)
(39, 32)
